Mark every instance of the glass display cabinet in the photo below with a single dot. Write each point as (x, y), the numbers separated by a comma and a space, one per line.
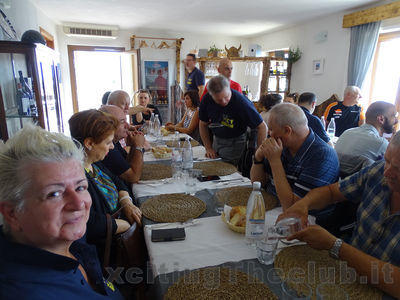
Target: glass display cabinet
(275, 77)
(29, 88)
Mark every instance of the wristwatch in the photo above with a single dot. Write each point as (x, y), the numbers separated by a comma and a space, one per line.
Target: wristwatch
(141, 149)
(334, 251)
(256, 162)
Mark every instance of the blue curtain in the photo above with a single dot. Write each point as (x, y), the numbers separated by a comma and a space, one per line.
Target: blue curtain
(362, 45)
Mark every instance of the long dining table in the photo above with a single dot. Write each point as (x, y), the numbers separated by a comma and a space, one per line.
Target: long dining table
(209, 242)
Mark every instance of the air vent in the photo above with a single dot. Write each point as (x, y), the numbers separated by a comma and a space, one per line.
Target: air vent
(91, 31)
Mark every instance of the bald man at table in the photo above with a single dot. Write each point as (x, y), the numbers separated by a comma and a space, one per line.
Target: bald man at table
(374, 248)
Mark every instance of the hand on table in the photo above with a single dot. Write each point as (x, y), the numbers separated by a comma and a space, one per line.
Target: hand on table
(210, 153)
(315, 236)
(133, 214)
(170, 126)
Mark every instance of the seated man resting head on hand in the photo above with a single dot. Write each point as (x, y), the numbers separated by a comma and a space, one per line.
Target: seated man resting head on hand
(293, 160)
(127, 165)
(374, 247)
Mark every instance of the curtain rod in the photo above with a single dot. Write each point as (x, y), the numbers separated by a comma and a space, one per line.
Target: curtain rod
(154, 38)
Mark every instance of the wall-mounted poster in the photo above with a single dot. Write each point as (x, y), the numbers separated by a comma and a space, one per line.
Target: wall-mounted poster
(156, 80)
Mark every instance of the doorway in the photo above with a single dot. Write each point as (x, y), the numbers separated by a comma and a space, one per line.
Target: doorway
(96, 70)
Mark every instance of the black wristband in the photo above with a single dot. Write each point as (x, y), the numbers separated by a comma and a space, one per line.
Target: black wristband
(256, 162)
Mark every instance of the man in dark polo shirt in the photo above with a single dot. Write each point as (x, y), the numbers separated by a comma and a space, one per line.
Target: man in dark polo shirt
(128, 166)
(229, 114)
(293, 160)
(307, 103)
(348, 113)
(195, 80)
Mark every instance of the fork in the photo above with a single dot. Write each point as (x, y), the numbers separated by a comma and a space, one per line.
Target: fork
(187, 223)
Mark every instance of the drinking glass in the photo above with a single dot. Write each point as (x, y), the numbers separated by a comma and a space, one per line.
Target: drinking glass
(293, 290)
(266, 250)
(191, 180)
(219, 205)
(331, 291)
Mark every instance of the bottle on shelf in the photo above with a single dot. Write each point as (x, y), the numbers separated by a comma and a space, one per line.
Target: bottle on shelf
(331, 129)
(32, 100)
(187, 157)
(23, 101)
(255, 216)
(176, 158)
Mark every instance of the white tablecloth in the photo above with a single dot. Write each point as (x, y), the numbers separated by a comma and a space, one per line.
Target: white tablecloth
(170, 186)
(208, 243)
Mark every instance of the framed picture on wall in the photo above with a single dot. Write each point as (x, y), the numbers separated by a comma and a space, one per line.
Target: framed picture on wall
(318, 66)
(156, 80)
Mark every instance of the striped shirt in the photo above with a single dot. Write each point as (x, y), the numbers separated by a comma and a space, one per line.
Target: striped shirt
(314, 165)
(377, 231)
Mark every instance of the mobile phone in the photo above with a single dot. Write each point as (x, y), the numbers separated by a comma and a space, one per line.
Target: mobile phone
(208, 178)
(166, 235)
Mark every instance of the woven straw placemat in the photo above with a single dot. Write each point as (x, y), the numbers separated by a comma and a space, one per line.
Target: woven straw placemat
(193, 142)
(156, 171)
(172, 208)
(316, 266)
(234, 196)
(218, 168)
(218, 283)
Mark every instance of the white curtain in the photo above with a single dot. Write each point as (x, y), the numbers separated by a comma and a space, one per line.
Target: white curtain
(362, 46)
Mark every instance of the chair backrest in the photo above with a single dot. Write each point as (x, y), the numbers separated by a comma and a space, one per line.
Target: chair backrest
(350, 164)
(320, 109)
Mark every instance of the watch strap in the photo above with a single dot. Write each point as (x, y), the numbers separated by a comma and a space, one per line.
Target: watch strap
(141, 149)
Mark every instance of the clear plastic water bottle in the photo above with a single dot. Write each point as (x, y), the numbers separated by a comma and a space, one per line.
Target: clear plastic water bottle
(176, 158)
(331, 129)
(187, 156)
(157, 127)
(151, 124)
(323, 122)
(255, 216)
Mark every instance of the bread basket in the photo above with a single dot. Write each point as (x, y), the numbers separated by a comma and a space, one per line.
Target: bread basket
(232, 227)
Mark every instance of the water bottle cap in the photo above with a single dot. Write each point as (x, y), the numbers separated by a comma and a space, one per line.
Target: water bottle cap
(256, 185)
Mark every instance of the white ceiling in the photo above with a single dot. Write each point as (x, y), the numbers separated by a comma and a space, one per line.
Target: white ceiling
(226, 17)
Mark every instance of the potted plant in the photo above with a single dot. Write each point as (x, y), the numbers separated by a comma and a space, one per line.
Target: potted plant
(213, 51)
(294, 55)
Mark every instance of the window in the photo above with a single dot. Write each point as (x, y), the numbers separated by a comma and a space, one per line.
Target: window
(385, 81)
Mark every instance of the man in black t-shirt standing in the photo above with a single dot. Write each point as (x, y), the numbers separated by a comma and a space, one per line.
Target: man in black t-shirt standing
(348, 113)
(195, 80)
